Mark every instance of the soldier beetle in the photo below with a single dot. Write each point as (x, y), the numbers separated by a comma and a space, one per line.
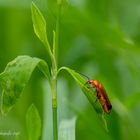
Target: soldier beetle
(101, 95)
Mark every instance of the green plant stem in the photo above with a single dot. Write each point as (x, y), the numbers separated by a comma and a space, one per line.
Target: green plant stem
(54, 97)
(54, 75)
(54, 107)
(55, 136)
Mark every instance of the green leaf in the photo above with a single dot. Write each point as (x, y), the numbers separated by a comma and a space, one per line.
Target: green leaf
(39, 25)
(15, 77)
(54, 43)
(90, 93)
(33, 123)
(67, 129)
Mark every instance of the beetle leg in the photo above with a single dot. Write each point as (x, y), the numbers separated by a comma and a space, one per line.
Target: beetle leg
(96, 100)
(87, 85)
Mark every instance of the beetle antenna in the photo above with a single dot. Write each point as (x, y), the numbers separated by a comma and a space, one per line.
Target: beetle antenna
(84, 75)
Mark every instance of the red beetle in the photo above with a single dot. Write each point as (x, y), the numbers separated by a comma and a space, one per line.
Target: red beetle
(101, 95)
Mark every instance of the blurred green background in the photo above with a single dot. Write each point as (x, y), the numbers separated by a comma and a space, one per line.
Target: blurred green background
(100, 38)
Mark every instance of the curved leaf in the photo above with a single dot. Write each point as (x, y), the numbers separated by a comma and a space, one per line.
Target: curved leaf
(39, 25)
(33, 123)
(15, 77)
(90, 93)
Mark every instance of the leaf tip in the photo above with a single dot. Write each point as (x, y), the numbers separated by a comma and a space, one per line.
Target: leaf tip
(33, 123)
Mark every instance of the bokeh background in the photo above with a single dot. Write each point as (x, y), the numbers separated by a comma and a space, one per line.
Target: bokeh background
(99, 38)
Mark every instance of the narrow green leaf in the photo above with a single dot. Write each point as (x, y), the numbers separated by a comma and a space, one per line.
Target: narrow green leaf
(33, 123)
(39, 25)
(90, 93)
(15, 77)
(54, 43)
(67, 129)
